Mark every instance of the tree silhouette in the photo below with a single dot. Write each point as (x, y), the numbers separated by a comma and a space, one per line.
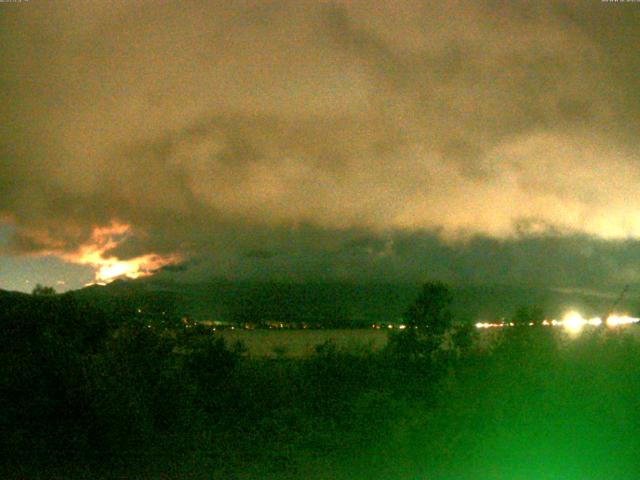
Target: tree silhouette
(426, 320)
(431, 310)
(41, 290)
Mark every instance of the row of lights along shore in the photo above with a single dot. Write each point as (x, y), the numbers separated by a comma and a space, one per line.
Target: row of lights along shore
(572, 321)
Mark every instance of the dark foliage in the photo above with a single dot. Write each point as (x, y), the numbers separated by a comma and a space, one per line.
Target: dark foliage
(86, 395)
(79, 386)
(42, 290)
(431, 310)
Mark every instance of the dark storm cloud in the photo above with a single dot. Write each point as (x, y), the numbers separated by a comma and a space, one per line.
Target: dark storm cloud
(538, 261)
(315, 138)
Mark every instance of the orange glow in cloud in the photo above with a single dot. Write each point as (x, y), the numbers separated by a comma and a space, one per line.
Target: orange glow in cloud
(109, 268)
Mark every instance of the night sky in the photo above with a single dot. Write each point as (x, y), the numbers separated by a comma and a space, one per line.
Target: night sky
(472, 142)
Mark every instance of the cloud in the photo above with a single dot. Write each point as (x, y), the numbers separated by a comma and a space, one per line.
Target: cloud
(559, 261)
(214, 130)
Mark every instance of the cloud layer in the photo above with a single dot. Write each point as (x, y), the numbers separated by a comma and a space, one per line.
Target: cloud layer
(222, 129)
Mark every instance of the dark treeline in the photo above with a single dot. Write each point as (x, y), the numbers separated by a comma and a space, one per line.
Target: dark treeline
(98, 391)
(93, 393)
(335, 304)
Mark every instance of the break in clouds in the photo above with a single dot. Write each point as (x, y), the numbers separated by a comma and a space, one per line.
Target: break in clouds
(270, 137)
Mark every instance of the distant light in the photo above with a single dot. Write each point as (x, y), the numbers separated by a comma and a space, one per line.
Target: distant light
(617, 320)
(490, 325)
(402, 327)
(596, 321)
(573, 322)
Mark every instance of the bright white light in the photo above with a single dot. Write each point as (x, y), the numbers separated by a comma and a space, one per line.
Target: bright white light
(617, 320)
(573, 322)
(595, 321)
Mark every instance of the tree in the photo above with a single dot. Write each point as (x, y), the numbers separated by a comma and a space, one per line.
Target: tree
(426, 320)
(41, 290)
(431, 311)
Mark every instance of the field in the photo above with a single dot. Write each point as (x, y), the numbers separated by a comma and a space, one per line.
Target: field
(300, 343)
(275, 343)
